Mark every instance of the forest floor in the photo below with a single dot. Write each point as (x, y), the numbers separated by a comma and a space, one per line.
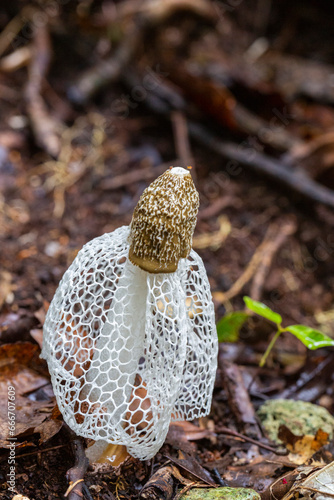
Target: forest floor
(97, 100)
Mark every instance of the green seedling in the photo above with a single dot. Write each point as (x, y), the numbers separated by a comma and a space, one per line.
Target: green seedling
(229, 326)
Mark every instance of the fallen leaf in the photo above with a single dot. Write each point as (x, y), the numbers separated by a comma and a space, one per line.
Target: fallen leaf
(318, 485)
(22, 373)
(192, 466)
(47, 429)
(302, 447)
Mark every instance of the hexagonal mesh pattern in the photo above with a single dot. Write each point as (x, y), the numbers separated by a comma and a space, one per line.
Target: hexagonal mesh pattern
(129, 351)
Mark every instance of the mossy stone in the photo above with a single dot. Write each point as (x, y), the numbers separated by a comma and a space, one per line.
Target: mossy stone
(221, 494)
(300, 417)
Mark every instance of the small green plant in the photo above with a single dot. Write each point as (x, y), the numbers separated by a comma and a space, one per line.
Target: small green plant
(229, 326)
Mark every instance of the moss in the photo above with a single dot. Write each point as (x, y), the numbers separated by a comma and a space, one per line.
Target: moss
(300, 417)
(221, 494)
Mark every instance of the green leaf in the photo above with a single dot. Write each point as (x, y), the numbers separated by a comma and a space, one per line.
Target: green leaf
(262, 310)
(229, 326)
(313, 339)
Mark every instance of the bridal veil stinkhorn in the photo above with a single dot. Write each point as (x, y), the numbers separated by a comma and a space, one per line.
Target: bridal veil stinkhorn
(130, 335)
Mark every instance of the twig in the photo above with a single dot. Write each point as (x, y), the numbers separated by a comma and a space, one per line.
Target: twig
(91, 81)
(42, 451)
(252, 266)
(160, 485)
(216, 474)
(239, 399)
(181, 139)
(215, 239)
(135, 176)
(230, 432)
(306, 377)
(44, 127)
(75, 475)
(218, 102)
(10, 32)
(2, 459)
(294, 179)
(285, 230)
(15, 60)
(285, 174)
(217, 206)
(187, 488)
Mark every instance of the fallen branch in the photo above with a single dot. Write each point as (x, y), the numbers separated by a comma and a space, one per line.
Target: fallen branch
(160, 486)
(108, 71)
(44, 127)
(250, 270)
(162, 100)
(285, 230)
(293, 178)
(75, 475)
(237, 435)
(239, 400)
(134, 176)
(219, 103)
(144, 16)
(181, 140)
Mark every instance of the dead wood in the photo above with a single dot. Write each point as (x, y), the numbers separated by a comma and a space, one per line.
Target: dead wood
(285, 230)
(181, 139)
(143, 174)
(218, 102)
(160, 486)
(239, 400)
(306, 377)
(247, 439)
(105, 72)
(253, 265)
(75, 475)
(292, 178)
(43, 125)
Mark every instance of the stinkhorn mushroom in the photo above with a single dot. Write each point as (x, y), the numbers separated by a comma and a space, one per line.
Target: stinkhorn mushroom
(130, 335)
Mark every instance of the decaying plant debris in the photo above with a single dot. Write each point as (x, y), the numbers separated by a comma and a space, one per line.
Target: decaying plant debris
(98, 99)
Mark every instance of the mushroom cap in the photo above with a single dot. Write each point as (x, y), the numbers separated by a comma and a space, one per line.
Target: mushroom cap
(163, 222)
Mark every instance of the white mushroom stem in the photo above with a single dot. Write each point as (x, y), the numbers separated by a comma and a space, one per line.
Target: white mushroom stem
(143, 337)
(118, 351)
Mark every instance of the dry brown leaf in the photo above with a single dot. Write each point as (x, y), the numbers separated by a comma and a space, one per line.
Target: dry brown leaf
(21, 372)
(192, 467)
(302, 447)
(48, 428)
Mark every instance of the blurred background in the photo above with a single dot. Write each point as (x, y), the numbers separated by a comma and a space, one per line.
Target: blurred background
(98, 98)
